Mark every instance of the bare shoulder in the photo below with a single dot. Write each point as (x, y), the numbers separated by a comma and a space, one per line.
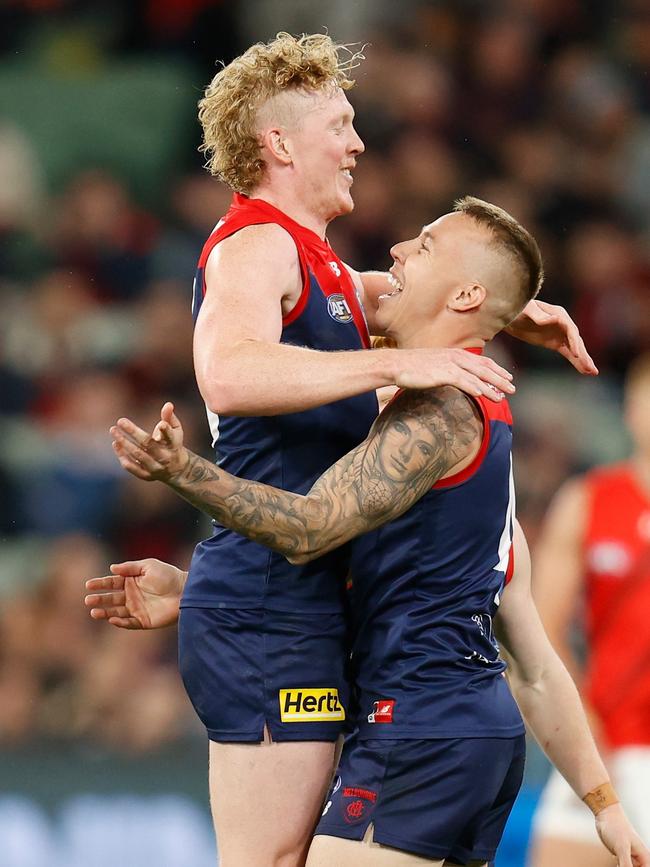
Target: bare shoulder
(444, 407)
(573, 494)
(356, 279)
(444, 422)
(414, 443)
(254, 240)
(568, 510)
(255, 253)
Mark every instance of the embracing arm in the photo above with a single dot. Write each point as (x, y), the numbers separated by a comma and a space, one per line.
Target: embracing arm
(253, 279)
(539, 323)
(417, 440)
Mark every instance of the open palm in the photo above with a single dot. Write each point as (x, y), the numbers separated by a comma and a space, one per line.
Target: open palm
(139, 594)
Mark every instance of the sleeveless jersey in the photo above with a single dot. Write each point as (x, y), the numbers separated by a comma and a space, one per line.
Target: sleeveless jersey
(425, 588)
(286, 451)
(617, 585)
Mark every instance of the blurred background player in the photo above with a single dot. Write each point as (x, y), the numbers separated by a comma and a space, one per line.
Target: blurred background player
(592, 567)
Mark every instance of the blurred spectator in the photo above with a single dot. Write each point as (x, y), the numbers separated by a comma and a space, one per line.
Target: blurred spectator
(75, 484)
(611, 282)
(197, 201)
(21, 180)
(69, 684)
(58, 327)
(100, 232)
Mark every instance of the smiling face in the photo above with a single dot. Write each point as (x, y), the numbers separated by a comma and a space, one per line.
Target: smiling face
(321, 146)
(447, 256)
(451, 285)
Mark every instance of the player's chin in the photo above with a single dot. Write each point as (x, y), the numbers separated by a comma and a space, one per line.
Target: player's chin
(345, 202)
(381, 318)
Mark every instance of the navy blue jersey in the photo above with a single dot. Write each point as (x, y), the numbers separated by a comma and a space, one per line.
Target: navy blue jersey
(287, 451)
(425, 588)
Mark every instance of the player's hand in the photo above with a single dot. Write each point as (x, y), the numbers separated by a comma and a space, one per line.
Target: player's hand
(550, 326)
(160, 455)
(620, 838)
(477, 375)
(140, 594)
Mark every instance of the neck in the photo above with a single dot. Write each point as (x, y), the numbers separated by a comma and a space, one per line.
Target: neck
(287, 200)
(444, 331)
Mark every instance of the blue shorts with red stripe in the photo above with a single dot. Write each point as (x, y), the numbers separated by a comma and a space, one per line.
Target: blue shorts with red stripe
(247, 668)
(437, 798)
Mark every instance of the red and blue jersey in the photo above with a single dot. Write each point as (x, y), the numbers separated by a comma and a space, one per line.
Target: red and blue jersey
(425, 588)
(287, 451)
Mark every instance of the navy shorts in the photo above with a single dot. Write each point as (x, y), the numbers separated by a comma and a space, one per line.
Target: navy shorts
(435, 798)
(244, 668)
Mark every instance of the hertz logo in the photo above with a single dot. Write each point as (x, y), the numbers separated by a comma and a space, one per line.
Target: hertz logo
(310, 705)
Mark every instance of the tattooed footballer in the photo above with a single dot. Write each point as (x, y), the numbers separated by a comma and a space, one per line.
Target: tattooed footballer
(274, 306)
(435, 761)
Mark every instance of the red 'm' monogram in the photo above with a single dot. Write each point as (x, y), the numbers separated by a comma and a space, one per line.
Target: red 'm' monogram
(355, 809)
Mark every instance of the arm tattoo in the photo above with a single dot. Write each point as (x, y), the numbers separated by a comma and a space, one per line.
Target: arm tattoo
(414, 442)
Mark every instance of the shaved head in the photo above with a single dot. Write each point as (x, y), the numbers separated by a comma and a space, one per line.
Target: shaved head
(514, 271)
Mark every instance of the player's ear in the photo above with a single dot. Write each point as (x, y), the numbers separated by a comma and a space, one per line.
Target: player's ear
(275, 141)
(467, 298)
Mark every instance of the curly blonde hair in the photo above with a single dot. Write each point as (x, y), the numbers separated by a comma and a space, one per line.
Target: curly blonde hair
(229, 108)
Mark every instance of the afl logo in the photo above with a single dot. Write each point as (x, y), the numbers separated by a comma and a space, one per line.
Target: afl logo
(338, 309)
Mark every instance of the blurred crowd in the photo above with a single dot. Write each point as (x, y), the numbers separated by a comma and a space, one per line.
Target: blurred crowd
(541, 106)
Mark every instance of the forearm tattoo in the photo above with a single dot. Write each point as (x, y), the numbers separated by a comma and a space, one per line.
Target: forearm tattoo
(413, 443)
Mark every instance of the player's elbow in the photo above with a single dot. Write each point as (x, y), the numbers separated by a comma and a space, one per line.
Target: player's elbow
(305, 553)
(224, 396)
(309, 547)
(220, 402)
(529, 686)
(298, 559)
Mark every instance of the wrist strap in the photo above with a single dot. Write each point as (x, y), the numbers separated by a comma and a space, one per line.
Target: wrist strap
(600, 797)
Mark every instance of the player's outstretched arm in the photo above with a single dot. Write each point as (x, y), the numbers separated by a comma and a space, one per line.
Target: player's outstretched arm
(139, 594)
(550, 704)
(418, 439)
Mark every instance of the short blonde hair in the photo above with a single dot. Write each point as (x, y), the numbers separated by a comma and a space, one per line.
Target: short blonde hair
(229, 108)
(513, 239)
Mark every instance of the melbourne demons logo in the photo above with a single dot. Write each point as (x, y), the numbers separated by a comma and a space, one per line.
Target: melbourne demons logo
(357, 803)
(338, 309)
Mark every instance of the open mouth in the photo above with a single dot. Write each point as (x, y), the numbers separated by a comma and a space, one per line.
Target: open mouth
(395, 283)
(347, 174)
